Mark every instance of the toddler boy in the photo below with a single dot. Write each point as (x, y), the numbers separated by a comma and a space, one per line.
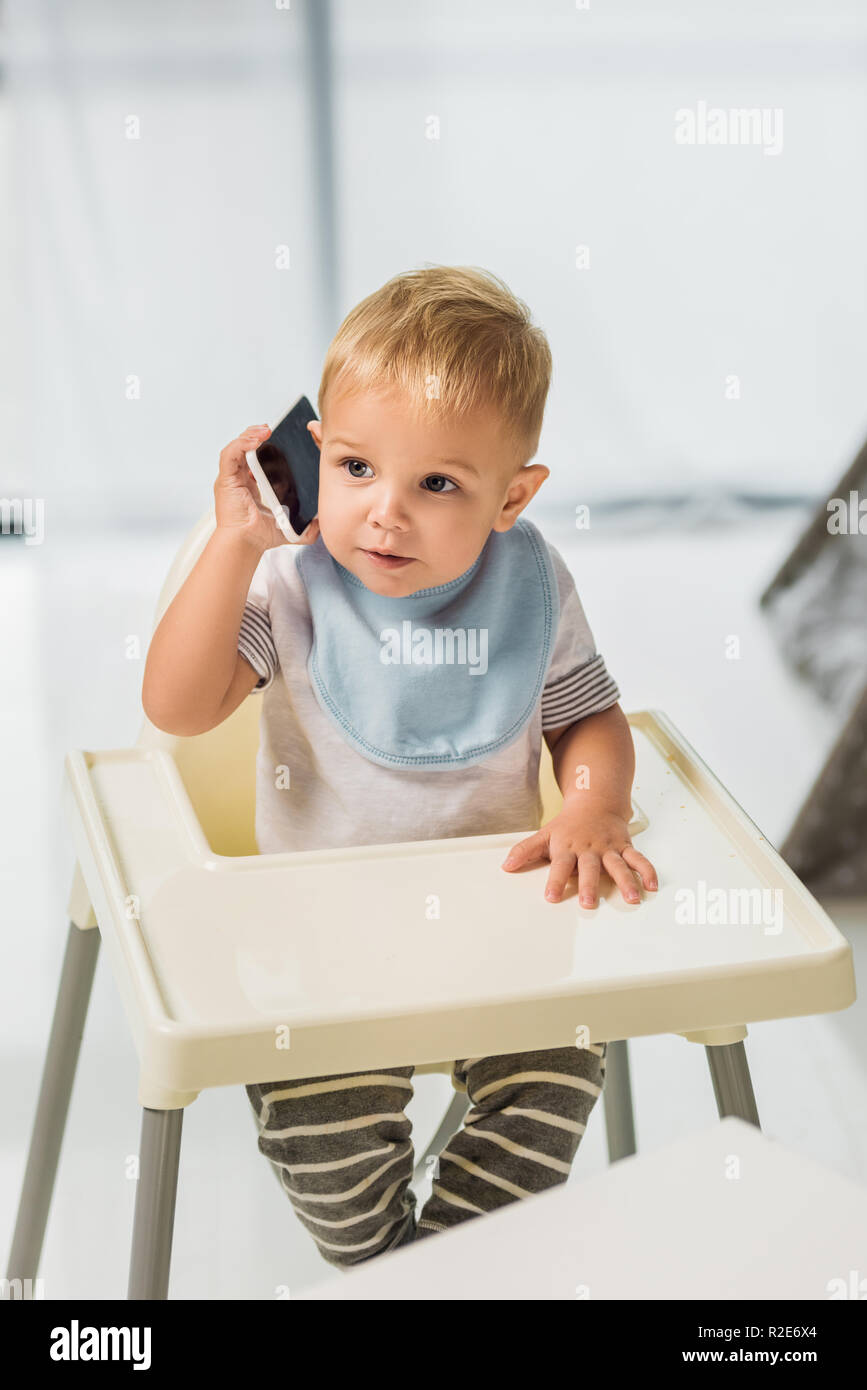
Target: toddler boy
(411, 656)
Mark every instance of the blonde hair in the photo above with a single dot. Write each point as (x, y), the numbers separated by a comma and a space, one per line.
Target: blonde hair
(453, 338)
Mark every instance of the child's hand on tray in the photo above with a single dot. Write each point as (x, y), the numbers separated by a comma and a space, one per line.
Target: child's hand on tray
(585, 842)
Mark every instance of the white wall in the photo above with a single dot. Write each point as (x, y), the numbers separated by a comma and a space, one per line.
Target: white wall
(155, 256)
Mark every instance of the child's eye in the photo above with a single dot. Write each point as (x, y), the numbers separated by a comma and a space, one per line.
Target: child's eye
(347, 463)
(439, 484)
(445, 483)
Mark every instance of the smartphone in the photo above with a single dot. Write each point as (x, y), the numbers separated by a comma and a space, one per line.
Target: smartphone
(286, 469)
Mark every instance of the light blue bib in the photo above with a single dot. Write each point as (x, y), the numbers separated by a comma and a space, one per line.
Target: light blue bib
(443, 677)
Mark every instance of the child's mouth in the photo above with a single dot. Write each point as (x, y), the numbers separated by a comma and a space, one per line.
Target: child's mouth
(388, 562)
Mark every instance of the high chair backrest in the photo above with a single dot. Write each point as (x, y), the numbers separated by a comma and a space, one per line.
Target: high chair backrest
(218, 768)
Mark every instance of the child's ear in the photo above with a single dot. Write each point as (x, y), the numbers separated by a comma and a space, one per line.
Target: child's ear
(315, 428)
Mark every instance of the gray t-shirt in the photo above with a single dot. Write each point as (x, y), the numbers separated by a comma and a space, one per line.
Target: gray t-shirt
(314, 791)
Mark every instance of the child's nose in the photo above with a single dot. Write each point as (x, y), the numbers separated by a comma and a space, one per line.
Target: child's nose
(388, 511)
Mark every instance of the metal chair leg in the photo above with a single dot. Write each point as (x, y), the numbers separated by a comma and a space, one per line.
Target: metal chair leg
(58, 1074)
(617, 1099)
(732, 1084)
(449, 1125)
(154, 1221)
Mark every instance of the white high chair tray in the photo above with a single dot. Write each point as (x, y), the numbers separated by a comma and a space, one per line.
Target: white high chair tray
(253, 968)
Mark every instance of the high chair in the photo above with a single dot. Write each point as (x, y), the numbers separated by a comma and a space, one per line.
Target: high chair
(236, 967)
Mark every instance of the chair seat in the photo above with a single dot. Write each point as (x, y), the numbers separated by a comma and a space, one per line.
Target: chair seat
(260, 967)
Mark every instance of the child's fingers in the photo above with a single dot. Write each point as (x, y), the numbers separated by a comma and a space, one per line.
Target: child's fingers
(589, 869)
(562, 869)
(233, 459)
(527, 851)
(642, 866)
(621, 873)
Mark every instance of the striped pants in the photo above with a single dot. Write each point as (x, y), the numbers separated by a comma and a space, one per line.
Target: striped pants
(342, 1146)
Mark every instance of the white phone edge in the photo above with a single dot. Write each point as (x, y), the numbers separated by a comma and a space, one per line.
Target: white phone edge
(269, 498)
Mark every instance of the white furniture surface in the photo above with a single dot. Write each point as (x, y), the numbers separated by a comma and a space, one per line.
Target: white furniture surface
(218, 956)
(726, 1213)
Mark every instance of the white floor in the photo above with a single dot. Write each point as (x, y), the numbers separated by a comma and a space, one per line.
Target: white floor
(661, 606)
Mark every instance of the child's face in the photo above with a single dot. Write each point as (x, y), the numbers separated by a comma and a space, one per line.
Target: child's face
(431, 493)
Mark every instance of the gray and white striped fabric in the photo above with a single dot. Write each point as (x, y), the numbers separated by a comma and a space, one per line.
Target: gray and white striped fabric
(343, 1150)
(584, 691)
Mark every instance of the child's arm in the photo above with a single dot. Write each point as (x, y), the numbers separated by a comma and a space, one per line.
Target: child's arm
(194, 675)
(597, 754)
(594, 763)
(193, 657)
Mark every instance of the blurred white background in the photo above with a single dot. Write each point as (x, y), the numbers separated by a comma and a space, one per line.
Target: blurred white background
(146, 322)
(154, 257)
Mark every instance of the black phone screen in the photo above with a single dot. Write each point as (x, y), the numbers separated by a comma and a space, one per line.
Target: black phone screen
(290, 462)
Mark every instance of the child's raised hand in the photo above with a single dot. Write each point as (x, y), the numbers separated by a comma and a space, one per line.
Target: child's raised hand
(236, 496)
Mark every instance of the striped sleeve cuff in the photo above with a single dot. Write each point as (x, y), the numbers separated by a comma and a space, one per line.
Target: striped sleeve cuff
(256, 644)
(587, 690)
